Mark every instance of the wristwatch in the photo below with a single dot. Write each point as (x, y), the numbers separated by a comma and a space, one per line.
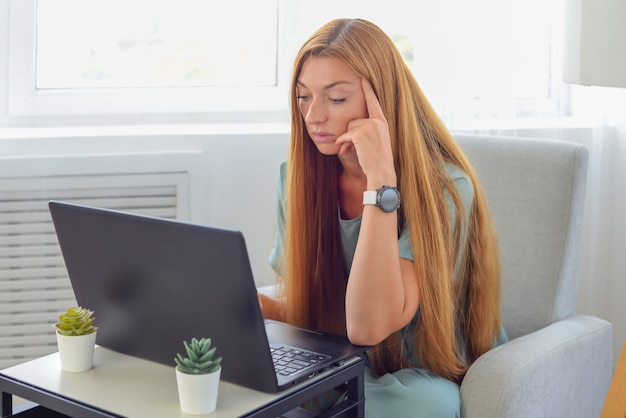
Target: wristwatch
(387, 198)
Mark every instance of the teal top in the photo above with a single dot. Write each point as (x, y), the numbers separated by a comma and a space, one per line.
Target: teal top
(350, 227)
(410, 392)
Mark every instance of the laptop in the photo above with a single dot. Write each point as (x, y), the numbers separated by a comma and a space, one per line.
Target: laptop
(154, 283)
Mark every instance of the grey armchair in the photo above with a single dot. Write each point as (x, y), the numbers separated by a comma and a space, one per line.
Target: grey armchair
(557, 363)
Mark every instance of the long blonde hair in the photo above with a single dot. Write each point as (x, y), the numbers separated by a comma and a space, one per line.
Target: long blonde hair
(459, 319)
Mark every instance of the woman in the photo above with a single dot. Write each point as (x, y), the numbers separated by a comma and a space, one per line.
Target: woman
(416, 276)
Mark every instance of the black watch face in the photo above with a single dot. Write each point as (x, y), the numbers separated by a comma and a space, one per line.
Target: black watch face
(389, 199)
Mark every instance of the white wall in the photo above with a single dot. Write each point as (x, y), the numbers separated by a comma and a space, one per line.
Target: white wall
(235, 186)
(4, 61)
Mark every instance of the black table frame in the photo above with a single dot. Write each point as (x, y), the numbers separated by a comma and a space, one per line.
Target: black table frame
(353, 407)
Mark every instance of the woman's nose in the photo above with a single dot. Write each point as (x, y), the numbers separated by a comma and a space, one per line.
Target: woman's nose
(315, 112)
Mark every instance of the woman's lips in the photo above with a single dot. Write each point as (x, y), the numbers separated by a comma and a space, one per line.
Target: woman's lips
(323, 137)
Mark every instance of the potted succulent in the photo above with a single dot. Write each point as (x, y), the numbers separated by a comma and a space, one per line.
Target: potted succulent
(76, 339)
(197, 377)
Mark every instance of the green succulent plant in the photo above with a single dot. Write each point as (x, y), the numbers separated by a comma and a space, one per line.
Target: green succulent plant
(199, 358)
(76, 321)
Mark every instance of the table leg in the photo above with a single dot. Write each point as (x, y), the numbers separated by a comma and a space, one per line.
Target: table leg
(6, 404)
(356, 391)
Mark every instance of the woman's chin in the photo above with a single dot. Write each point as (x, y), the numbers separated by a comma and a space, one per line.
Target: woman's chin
(328, 149)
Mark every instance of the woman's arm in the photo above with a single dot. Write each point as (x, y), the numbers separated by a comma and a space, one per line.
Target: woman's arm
(382, 295)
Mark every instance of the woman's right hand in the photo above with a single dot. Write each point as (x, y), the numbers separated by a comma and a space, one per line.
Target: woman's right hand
(271, 308)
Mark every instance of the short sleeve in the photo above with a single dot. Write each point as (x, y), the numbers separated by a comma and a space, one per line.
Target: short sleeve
(404, 244)
(466, 191)
(276, 255)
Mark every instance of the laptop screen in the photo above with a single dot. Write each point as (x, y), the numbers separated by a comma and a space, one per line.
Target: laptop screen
(154, 283)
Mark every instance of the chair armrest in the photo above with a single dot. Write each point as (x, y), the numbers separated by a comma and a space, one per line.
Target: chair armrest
(562, 370)
(269, 290)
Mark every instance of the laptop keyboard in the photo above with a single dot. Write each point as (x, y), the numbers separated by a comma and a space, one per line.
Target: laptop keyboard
(289, 360)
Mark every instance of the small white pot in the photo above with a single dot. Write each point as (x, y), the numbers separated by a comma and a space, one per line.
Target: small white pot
(76, 351)
(197, 393)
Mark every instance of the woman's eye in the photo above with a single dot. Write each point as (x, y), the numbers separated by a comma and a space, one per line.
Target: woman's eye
(301, 97)
(337, 101)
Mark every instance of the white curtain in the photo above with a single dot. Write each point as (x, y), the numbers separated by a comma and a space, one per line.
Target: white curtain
(603, 266)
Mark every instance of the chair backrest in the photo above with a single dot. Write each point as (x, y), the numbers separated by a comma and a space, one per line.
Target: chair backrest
(535, 189)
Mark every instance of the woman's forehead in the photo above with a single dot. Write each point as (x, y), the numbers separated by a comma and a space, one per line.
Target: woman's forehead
(325, 72)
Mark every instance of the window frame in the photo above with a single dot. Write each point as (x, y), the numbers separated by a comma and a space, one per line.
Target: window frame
(223, 103)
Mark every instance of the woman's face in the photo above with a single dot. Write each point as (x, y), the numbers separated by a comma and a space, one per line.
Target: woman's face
(330, 95)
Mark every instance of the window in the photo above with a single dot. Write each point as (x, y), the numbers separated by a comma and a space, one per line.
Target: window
(93, 44)
(89, 57)
(483, 59)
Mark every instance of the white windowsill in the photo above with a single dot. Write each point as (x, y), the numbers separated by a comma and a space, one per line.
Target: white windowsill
(491, 126)
(142, 130)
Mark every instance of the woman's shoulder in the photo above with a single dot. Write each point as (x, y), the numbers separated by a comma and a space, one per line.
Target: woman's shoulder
(283, 172)
(462, 181)
(456, 173)
(281, 181)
